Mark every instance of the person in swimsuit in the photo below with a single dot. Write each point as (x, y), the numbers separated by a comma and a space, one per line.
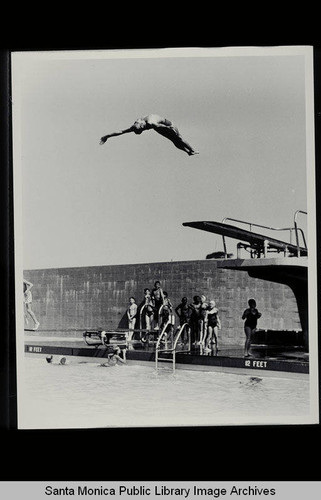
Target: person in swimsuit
(27, 298)
(158, 299)
(131, 315)
(251, 315)
(183, 312)
(114, 357)
(148, 308)
(167, 314)
(161, 125)
(168, 309)
(213, 324)
(195, 319)
(148, 312)
(203, 320)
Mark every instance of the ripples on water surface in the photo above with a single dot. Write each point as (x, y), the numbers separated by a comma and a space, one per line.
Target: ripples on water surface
(87, 395)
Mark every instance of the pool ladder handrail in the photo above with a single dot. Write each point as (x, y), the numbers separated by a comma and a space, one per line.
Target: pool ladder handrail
(140, 316)
(168, 350)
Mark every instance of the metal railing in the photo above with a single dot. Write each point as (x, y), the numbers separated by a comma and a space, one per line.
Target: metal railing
(297, 230)
(172, 350)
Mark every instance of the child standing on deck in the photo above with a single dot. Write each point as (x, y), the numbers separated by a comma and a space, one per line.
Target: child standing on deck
(213, 325)
(251, 315)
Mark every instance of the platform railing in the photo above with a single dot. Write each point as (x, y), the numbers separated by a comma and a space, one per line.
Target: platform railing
(297, 230)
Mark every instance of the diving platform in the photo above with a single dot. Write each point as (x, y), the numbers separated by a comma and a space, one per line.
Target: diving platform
(258, 243)
(271, 259)
(277, 269)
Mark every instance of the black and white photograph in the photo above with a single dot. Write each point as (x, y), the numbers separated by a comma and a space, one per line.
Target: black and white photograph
(165, 237)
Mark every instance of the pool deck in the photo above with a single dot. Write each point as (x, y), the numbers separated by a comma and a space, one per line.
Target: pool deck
(264, 360)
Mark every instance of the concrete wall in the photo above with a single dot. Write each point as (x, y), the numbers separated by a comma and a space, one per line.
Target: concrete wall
(93, 297)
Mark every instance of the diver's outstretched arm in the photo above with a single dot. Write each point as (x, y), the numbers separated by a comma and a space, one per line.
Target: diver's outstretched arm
(114, 134)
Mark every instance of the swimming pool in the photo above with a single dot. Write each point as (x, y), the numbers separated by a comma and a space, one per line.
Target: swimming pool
(87, 395)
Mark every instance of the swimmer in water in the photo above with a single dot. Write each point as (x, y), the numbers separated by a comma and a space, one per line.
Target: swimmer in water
(162, 126)
(114, 357)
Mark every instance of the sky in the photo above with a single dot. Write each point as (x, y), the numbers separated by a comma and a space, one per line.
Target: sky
(78, 203)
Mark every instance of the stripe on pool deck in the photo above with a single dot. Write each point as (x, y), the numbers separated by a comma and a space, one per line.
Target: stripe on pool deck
(264, 366)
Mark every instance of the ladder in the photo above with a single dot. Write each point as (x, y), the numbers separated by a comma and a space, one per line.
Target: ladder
(166, 350)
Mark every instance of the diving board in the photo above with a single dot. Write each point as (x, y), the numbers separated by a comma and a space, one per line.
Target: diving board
(257, 241)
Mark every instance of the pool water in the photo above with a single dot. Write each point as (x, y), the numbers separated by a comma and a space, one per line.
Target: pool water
(87, 395)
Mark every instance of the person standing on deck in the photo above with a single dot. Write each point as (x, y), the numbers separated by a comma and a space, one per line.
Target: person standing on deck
(148, 309)
(251, 315)
(131, 315)
(213, 324)
(183, 312)
(167, 314)
(203, 320)
(158, 298)
(27, 298)
(195, 319)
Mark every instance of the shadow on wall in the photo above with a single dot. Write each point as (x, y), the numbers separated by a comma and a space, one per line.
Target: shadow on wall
(123, 322)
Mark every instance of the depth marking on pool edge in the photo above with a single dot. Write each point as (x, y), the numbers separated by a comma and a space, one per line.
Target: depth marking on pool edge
(255, 363)
(279, 366)
(33, 348)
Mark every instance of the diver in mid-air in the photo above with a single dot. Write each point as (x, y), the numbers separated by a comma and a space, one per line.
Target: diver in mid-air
(161, 125)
